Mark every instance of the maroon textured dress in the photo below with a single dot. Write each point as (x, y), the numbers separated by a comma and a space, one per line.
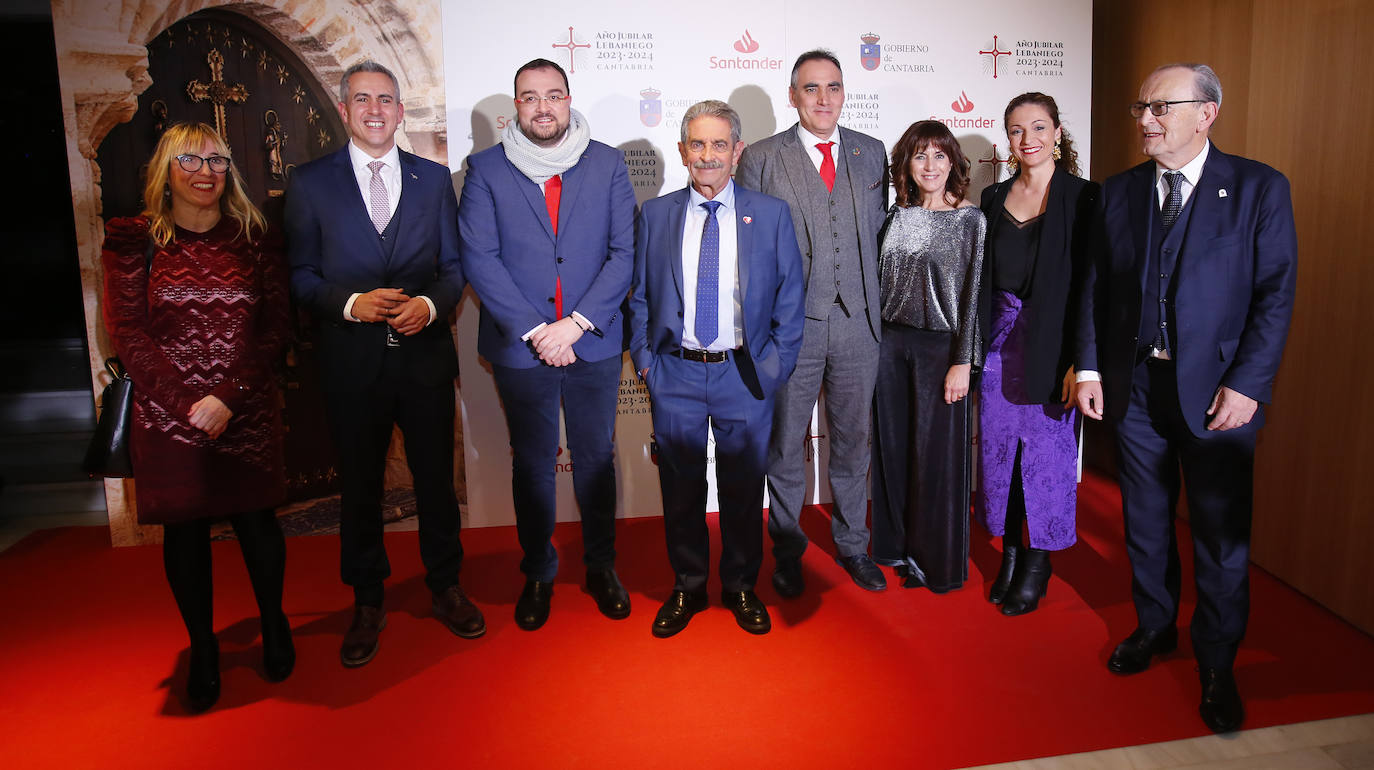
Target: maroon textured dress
(211, 319)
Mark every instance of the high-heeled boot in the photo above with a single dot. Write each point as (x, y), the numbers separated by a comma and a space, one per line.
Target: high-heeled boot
(1010, 556)
(278, 651)
(202, 680)
(1029, 584)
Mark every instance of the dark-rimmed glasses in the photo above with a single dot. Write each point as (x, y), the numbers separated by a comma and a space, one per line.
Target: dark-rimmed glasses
(1160, 108)
(192, 163)
(553, 99)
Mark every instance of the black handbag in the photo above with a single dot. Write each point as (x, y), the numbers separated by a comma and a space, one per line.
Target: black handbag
(108, 453)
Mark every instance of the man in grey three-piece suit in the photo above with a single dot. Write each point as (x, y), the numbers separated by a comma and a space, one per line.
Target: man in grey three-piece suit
(835, 183)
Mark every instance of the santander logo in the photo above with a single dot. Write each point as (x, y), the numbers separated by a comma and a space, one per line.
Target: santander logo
(746, 43)
(962, 104)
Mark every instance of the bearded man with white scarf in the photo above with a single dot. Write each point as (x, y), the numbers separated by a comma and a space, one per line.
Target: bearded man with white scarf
(546, 229)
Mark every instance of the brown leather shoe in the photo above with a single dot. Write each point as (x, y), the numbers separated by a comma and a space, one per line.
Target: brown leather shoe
(453, 608)
(360, 642)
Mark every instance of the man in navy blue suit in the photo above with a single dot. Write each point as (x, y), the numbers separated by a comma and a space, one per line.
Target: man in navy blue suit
(373, 241)
(1181, 330)
(715, 328)
(546, 226)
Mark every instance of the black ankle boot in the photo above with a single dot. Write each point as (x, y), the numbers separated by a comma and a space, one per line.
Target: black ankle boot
(278, 652)
(1011, 552)
(202, 680)
(1029, 583)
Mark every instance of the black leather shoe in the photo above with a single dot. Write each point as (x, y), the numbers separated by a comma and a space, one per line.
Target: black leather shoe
(1029, 584)
(532, 608)
(611, 597)
(998, 592)
(278, 652)
(360, 641)
(202, 680)
(749, 611)
(865, 573)
(675, 613)
(456, 611)
(1221, 708)
(1133, 655)
(787, 579)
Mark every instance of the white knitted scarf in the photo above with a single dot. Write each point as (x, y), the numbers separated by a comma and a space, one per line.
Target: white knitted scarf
(542, 163)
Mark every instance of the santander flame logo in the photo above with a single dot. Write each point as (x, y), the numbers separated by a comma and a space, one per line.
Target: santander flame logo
(747, 43)
(962, 104)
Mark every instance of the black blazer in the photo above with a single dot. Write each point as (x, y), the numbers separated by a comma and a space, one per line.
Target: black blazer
(1055, 282)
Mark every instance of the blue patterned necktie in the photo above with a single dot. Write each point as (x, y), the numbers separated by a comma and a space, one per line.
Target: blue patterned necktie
(708, 278)
(1173, 202)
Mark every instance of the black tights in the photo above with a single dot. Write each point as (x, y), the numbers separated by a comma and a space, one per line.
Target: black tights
(1016, 506)
(186, 558)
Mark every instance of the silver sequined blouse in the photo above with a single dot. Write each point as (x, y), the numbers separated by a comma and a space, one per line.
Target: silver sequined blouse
(928, 273)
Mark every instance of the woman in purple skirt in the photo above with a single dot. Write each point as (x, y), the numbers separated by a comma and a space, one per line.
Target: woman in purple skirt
(1036, 255)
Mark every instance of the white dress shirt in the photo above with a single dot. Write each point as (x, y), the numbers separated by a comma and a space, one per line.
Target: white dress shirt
(729, 326)
(810, 140)
(391, 180)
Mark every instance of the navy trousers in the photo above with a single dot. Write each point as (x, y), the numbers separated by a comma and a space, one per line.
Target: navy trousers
(1154, 443)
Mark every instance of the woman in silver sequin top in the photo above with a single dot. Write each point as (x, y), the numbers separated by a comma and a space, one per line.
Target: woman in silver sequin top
(930, 263)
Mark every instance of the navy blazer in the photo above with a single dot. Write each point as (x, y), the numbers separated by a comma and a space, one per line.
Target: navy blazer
(510, 254)
(335, 252)
(1235, 283)
(1050, 307)
(771, 292)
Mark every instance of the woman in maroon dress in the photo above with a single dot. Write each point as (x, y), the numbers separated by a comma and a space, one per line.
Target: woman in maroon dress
(196, 305)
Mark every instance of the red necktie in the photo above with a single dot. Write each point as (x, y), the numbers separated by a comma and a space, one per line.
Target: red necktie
(827, 166)
(553, 192)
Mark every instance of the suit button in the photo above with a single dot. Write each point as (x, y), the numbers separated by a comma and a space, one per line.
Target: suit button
(560, 260)
(551, 299)
(679, 314)
(1163, 275)
(837, 249)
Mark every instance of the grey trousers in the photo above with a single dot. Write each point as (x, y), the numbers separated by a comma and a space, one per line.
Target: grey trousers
(840, 354)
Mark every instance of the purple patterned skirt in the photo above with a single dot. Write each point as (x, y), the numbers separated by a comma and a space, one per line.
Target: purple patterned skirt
(1045, 434)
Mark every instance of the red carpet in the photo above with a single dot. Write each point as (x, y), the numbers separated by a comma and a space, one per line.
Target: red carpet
(91, 645)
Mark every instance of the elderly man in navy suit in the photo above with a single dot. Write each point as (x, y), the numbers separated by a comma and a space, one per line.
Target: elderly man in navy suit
(715, 326)
(546, 225)
(373, 241)
(1182, 327)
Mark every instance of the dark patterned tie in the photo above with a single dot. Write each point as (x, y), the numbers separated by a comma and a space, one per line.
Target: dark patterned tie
(377, 205)
(1173, 202)
(708, 278)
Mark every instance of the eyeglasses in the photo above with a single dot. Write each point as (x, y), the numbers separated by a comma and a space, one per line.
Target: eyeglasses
(1160, 108)
(553, 99)
(192, 163)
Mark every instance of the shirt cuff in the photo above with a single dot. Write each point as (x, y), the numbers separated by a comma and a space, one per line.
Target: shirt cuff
(526, 336)
(348, 308)
(579, 317)
(1086, 375)
(432, 312)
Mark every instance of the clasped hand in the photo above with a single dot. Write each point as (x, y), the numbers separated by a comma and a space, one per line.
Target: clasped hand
(554, 342)
(406, 314)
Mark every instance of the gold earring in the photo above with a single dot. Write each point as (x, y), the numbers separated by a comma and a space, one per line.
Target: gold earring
(1012, 165)
(1057, 153)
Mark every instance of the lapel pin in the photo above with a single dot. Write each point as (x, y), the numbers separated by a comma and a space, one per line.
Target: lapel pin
(747, 220)
(856, 152)
(412, 176)
(1221, 193)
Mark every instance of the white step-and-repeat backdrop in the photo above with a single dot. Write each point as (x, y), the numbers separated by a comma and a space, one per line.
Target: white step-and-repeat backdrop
(635, 68)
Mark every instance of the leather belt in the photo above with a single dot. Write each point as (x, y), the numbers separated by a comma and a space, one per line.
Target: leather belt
(704, 356)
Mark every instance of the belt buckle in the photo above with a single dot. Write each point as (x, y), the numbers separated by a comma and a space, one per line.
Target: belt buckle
(393, 340)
